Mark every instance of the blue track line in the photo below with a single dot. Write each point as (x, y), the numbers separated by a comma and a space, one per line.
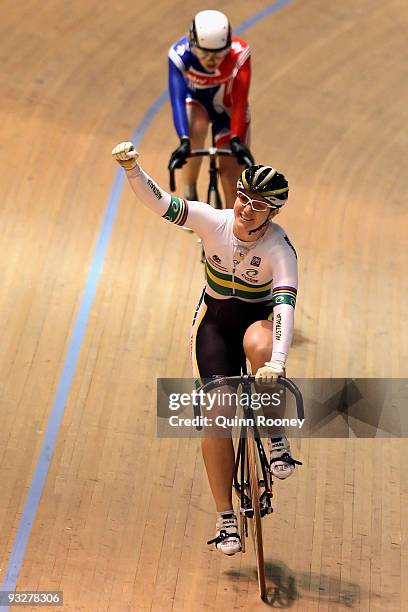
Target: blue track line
(17, 553)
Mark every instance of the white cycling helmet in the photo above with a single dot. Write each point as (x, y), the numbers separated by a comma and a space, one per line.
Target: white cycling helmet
(210, 31)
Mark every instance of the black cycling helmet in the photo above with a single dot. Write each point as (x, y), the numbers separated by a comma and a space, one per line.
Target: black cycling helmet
(268, 182)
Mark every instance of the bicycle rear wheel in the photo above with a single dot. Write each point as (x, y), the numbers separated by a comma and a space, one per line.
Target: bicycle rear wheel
(256, 520)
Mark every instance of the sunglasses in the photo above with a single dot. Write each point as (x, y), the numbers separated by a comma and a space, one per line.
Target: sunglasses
(218, 55)
(256, 205)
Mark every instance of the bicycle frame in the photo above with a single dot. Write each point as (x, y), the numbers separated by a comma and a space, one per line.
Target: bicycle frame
(213, 193)
(248, 480)
(246, 381)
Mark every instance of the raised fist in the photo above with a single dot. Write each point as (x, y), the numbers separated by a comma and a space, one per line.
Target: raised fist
(126, 155)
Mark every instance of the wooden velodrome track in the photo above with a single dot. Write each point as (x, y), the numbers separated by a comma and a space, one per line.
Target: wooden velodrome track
(123, 516)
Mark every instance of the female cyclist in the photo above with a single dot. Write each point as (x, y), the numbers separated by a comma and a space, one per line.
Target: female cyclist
(209, 76)
(247, 304)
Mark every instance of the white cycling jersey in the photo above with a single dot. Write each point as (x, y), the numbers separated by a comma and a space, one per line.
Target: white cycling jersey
(261, 271)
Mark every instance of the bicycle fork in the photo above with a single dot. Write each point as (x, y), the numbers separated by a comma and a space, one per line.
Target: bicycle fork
(241, 483)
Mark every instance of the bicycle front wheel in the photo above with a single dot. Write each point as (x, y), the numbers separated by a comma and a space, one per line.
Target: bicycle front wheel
(256, 520)
(214, 199)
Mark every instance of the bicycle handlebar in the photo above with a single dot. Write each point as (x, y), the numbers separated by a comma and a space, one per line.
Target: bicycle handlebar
(210, 152)
(250, 379)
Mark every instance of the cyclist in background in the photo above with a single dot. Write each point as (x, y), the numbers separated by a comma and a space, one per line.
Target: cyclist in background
(247, 304)
(209, 76)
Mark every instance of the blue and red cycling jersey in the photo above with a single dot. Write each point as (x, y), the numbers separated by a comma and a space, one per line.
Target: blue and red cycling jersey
(223, 93)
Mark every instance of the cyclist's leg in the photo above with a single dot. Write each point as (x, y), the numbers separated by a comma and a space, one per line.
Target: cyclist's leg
(211, 355)
(198, 121)
(258, 342)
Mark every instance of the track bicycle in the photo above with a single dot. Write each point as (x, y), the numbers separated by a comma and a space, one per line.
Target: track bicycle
(213, 192)
(214, 198)
(252, 479)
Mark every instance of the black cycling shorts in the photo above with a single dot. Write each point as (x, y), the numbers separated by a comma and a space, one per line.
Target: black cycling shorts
(218, 332)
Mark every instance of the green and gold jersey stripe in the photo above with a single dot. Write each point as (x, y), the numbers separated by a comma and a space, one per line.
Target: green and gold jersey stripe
(286, 295)
(220, 277)
(236, 288)
(177, 211)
